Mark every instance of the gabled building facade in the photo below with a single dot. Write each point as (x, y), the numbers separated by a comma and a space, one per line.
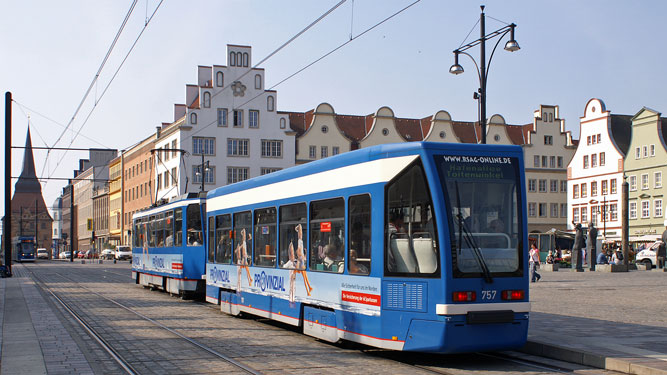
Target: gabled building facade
(547, 152)
(645, 168)
(595, 173)
(231, 120)
(137, 182)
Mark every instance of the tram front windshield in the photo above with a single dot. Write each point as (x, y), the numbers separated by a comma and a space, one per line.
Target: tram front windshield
(484, 214)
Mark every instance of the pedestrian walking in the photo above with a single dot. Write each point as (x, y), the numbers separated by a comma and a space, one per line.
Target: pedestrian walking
(534, 262)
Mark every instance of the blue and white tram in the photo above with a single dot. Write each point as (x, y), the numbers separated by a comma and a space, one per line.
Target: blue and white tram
(23, 249)
(168, 247)
(416, 246)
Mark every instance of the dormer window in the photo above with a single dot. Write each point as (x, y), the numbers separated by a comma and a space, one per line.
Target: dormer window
(239, 59)
(207, 99)
(246, 59)
(270, 104)
(283, 123)
(193, 118)
(258, 82)
(232, 59)
(551, 117)
(219, 79)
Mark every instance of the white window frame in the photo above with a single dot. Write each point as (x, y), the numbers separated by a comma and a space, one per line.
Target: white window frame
(613, 210)
(602, 159)
(646, 209)
(253, 118)
(553, 186)
(542, 185)
(222, 118)
(575, 214)
(584, 214)
(633, 183)
(645, 182)
(532, 185)
(594, 188)
(205, 145)
(238, 147)
(312, 152)
(272, 148)
(657, 208)
(209, 175)
(652, 150)
(633, 210)
(532, 209)
(238, 118)
(657, 179)
(236, 174)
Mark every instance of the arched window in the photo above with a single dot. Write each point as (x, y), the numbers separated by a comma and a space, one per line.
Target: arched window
(258, 82)
(220, 79)
(551, 117)
(544, 117)
(283, 123)
(193, 118)
(239, 59)
(270, 104)
(207, 99)
(232, 59)
(245, 59)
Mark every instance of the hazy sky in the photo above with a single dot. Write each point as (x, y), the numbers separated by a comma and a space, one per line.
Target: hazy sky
(571, 51)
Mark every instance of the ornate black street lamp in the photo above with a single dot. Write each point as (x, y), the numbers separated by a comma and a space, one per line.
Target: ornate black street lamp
(483, 68)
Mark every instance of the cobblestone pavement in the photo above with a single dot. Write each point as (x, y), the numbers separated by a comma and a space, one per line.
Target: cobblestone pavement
(270, 348)
(611, 320)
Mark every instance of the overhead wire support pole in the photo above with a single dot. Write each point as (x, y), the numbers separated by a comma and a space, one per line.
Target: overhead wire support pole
(7, 228)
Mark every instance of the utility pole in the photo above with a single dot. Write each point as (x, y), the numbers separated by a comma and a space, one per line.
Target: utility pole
(7, 229)
(71, 223)
(36, 227)
(625, 223)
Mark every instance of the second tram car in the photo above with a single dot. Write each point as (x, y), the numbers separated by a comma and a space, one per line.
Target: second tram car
(23, 249)
(168, 247)
(416, 246)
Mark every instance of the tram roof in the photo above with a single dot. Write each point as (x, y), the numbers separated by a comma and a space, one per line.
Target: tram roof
(377, 152)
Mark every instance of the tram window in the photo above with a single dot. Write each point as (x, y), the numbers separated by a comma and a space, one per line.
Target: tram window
(159, 230)
(411, 241)
(359, 251)
(265, 237)
(151, 231)
(293, 236)
(223, 239)
(194, 225)
(211, 239)
(135, 234)
(242, 238)
(327, 231)
(178, 227)
(169, 228)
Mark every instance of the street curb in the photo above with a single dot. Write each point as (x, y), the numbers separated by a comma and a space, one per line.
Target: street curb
(588, 359)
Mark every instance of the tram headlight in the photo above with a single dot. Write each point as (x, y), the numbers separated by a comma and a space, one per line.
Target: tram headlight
(464, 296)
(512, 295)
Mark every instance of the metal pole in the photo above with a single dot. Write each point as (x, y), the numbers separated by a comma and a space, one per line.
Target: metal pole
(7, 229)
(482, 75)
(202, 170)
(36, 226)
(604, 218)
(625, 230)
(71, 223)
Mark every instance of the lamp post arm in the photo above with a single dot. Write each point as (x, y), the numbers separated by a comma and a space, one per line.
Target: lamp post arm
(488, 65)
(476, 66)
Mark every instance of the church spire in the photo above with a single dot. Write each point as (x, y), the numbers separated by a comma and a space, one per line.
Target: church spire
(28, 182)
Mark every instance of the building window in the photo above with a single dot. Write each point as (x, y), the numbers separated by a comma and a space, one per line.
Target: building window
(536, 161)
(159, 181)
(202, 145)
(253, 118)
(575, 191)
(584, 214)
(324, 151)
(193, 118)
(236, 174)
(532, 209)
(644, 181)
(174, 179)
(633, 183)
(219, 79)
(239, 59)
(232, 59)
(335, 150)
(548, 140)
(166, 179)
(258, 82)
(532, 185)
(602, 159)
(554, 210)
(553, 186)
(385, 131)
(585, 161)
(594, 215)
(605, 189)
(588, 140)
(645, 151)
(563, 210)
(222, 116)
(283, 123)
(209, 174)
(542, 209)
(311, 151)
(552, 162)
(238, 118)
(613, 210)
(544, 161)
(237, 147)
(265, 170)
(270, 104)
(246, 59)
(563, 186)
(584, 190)
(174, 147)
(657, 207)
(272, 148)
(633, 210)
(543, 186)
(207, 99)
(637, 153)
(560, 162)
(575, 215)
(325, 129)
(594, 160)
(646, 209)
(594, 189)
(652, 150)
(657, 180)
(612, 184)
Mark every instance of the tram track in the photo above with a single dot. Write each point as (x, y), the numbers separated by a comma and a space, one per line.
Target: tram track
(120, 359)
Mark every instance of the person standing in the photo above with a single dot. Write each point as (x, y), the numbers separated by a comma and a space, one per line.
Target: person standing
(592, 243)
(534, 262)
(579, 243)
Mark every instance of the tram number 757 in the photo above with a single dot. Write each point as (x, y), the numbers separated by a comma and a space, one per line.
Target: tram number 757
(488, 294)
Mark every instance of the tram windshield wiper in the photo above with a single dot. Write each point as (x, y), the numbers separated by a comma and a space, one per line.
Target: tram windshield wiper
(470, 240)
